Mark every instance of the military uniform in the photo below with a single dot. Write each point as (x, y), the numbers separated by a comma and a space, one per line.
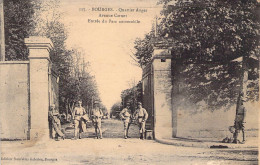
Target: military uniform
(55, 124)
(239, 119)
(96, 118)
(80, 125)
(126, 116)
(141, 116)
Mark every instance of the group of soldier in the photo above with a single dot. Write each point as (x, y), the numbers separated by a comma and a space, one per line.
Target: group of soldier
(140, 116)
(80, 118)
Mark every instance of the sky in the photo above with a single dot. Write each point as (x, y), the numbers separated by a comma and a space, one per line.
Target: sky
(108, 45)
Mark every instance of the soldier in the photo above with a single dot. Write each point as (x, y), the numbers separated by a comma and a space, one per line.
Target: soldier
(79, 124)
(97, 114)
(126, 116)
(239, 120)
(141, 116)
(55, 123)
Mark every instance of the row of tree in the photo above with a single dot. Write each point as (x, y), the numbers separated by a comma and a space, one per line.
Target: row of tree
(132, 95)
(215, 49)
(24, 18)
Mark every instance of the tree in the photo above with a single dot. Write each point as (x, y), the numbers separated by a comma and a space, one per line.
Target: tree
(132, 95)
(79, 84)
(18, 22)
(206, 86)
(104, 110)
(115, 109)
(76, 83)
(44, 18)
(144, 49)
(214, 32)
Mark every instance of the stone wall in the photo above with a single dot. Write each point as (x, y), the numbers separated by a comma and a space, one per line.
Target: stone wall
(27, 90)
(208, 124)
(14, 100)
(206, 104)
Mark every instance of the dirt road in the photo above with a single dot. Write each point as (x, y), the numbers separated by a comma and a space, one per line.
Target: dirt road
(113, 149)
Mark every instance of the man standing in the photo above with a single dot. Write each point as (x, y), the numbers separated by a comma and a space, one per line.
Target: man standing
(79, 126)
(96, 118)
(239, 119)
(141, 116)
(126, 115)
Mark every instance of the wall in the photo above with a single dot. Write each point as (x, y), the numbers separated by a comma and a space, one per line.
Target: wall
(172, 100)
(205, 104)
(208, 124)
(147, 87)
(14, 100)
(27, 89)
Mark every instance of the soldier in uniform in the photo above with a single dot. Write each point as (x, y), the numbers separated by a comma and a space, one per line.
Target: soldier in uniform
(239, 119)
(141, 116)
(79, 124)
(54, 119)
(96, 115)
(126, 116)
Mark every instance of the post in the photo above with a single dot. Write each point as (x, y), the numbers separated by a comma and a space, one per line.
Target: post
(2, 32)
(39, 58)
(163, 114)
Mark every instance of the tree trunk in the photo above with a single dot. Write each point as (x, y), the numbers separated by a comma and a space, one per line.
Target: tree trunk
(67, 109)
(2, 36)
(244, 80)
(71, 108)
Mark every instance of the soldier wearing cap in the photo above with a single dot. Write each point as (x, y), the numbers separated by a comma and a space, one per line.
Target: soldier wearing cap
(79, 124)
(239, 119)
(141, 115)
(126, 116)
(96, 115)
(54, 118)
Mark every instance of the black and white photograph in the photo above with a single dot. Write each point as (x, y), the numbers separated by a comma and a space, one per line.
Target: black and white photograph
(117, 82)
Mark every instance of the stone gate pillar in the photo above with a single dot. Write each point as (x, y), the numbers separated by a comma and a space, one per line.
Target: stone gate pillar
(39, 58)
(163, 123)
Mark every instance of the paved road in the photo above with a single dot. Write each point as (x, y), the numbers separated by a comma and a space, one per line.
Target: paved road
(119, 151)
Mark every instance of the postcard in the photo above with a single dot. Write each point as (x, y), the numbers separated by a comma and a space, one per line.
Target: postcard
(129, 82)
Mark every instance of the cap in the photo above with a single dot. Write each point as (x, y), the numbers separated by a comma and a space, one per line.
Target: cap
(127, 103)
(139, 103)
